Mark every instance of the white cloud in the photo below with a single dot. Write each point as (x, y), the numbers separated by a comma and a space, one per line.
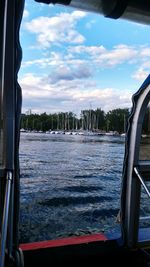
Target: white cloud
(40, 95)
(106, 98)
(146, 65)
(77, 76)
(57, 63)
(140, 74)
(30, 79)
(145, 52)
(25, 13)
(90, 24)
(91, 50)
(61, 28)
(117, 55)
(88, 55)
(58, 29)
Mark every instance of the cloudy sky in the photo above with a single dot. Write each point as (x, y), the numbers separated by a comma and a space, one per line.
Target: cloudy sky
(74, 60)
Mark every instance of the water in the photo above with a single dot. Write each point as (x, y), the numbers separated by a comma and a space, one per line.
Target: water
(70, 185)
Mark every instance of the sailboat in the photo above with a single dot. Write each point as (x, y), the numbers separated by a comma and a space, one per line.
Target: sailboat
(133, 245)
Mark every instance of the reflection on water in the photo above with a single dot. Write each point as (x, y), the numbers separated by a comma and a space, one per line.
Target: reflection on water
(70, 185)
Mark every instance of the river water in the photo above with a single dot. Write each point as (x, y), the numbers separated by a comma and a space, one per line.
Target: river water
(70, 185)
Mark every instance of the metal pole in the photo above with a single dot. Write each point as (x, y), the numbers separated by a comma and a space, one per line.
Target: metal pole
(142, 181)
(9, 178)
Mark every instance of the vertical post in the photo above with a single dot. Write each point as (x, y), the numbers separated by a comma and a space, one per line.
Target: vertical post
(8, 105)
(9, 178)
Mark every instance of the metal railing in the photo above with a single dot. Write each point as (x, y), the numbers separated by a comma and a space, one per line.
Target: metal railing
(142, 181)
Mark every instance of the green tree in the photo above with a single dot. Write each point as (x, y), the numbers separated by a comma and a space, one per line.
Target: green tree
(115, 120)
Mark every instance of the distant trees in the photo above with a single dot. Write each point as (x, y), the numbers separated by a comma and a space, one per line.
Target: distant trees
(92, 120)
(116, 119)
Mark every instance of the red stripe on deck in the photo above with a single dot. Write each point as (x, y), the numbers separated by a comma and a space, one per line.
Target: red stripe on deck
(64, 242)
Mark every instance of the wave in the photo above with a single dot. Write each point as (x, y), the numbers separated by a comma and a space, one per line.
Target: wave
(83, 189)
(66, 201)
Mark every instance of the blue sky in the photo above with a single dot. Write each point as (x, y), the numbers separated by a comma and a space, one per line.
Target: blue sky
(74, 60)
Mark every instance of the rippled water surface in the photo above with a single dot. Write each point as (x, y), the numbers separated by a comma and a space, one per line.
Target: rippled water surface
(70, 185)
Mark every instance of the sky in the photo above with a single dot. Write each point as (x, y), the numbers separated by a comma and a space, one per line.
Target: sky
(75, 60)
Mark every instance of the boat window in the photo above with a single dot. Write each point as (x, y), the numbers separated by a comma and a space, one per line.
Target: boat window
(76, 101)
(145, 137)
(144, 221)
(144, 157)
(71, 155)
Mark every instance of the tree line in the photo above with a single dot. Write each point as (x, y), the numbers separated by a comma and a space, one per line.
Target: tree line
(92, 120)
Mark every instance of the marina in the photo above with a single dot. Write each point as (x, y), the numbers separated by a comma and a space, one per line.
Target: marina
(80, 132)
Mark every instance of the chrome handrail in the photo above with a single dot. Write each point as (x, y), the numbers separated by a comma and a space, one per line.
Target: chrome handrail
(141, 180)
